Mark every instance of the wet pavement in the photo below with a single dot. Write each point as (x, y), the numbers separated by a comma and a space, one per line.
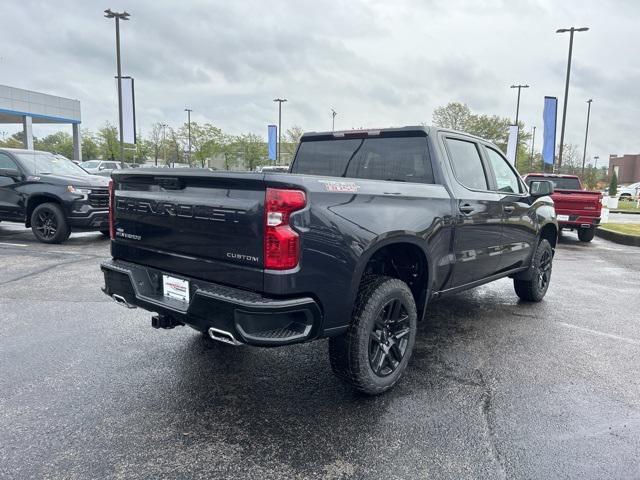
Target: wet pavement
(496, 388)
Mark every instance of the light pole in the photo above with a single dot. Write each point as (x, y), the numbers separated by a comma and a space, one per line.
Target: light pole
(333, 119)
(188, 110)
(586, 135)
(118, 16)
(533, 143)
(280, 102)
(519, 87)
(571, 31)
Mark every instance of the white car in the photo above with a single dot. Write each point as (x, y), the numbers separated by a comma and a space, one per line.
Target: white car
(629, 192)
(101, 167)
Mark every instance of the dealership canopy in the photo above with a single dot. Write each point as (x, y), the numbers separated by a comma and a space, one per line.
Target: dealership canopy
(28, 107)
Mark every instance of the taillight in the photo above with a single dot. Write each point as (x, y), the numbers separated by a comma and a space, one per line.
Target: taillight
(281, 242)
(112, 229)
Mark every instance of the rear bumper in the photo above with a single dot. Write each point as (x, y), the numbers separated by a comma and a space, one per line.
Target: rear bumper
(249, 317)
(577, 221)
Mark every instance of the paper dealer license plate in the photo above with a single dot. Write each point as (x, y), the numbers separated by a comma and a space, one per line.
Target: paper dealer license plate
(563, 218)
(175, 288)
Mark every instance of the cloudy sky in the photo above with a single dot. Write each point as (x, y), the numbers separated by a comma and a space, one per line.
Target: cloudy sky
(377, 62)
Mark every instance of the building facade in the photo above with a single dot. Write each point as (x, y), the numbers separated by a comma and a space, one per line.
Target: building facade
(627, 168)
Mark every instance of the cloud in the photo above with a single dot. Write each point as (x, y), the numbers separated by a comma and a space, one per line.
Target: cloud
(376, 62)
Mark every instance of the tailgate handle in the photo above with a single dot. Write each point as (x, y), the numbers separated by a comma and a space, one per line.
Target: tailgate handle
(170, 183)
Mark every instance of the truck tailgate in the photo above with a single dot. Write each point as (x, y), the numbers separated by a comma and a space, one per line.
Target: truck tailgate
(577, 202)
(196, 223)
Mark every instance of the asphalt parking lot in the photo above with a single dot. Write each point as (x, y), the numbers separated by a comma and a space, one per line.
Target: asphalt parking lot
(496, 388)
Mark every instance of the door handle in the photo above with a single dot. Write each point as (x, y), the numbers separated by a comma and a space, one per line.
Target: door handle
(466, 208)
(509, 208)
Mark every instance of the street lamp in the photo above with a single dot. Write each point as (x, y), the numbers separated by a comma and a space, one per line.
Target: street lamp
(188, 110)
(586, 134)
(333, 119)
(280, 102)
(519, 87)
(571, 31)
(108, 13)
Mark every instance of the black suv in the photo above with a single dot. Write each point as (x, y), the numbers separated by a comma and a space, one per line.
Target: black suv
(51, 195)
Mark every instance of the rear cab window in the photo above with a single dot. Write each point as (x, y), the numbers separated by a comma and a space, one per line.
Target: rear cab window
(393, 158)
(559, 183)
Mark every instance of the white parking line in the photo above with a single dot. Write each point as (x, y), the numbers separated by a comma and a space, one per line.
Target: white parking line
(632, 341)
(14, 244)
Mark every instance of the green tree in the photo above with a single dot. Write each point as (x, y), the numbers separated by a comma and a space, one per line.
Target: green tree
(155, 140)
(454, 115)
(90, 147)
(290, 141)
(206, 141)
(143, 150)
(59, 142)
(495, 129)
(613, 185)
(108, 142)
(251, 149)
(13, 141)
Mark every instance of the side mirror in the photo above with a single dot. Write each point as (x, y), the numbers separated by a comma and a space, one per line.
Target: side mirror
(540, 188)
(11, 173)
(101, 167)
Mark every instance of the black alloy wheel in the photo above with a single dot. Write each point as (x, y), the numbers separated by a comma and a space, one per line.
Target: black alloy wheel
(46, 224)
(375, 351)
(389, 338)
(544, 270)
(534, 286)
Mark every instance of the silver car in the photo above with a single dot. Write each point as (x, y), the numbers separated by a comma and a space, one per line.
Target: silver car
(102, 167)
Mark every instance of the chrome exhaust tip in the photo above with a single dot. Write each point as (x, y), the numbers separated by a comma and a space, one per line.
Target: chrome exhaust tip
(222, 336)
(120, 300)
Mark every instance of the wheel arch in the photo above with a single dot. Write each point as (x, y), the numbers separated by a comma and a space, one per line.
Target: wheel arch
(39, 199)
(380, 255)
(549, 232)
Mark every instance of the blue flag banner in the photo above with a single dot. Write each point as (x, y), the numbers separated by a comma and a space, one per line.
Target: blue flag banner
(549, 118)
(273, 141)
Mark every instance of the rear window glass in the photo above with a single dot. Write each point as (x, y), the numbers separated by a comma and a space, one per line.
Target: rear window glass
(559, 183)
(400, 159)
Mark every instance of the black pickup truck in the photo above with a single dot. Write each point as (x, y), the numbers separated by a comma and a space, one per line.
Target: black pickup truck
(51, 194)
(351, 244)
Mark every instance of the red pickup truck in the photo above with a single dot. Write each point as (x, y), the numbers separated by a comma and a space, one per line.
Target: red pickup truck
(576, 208)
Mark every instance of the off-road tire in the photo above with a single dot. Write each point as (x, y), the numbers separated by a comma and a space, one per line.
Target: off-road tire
(349, 353)
(49, 224)
(586, 234)
(534, 290)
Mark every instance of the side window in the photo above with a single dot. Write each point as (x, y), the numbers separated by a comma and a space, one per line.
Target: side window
(467, 164)
(506, 179)
(6, 162)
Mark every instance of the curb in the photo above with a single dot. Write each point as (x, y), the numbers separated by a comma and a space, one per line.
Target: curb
(621, 238)
(631, 212)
